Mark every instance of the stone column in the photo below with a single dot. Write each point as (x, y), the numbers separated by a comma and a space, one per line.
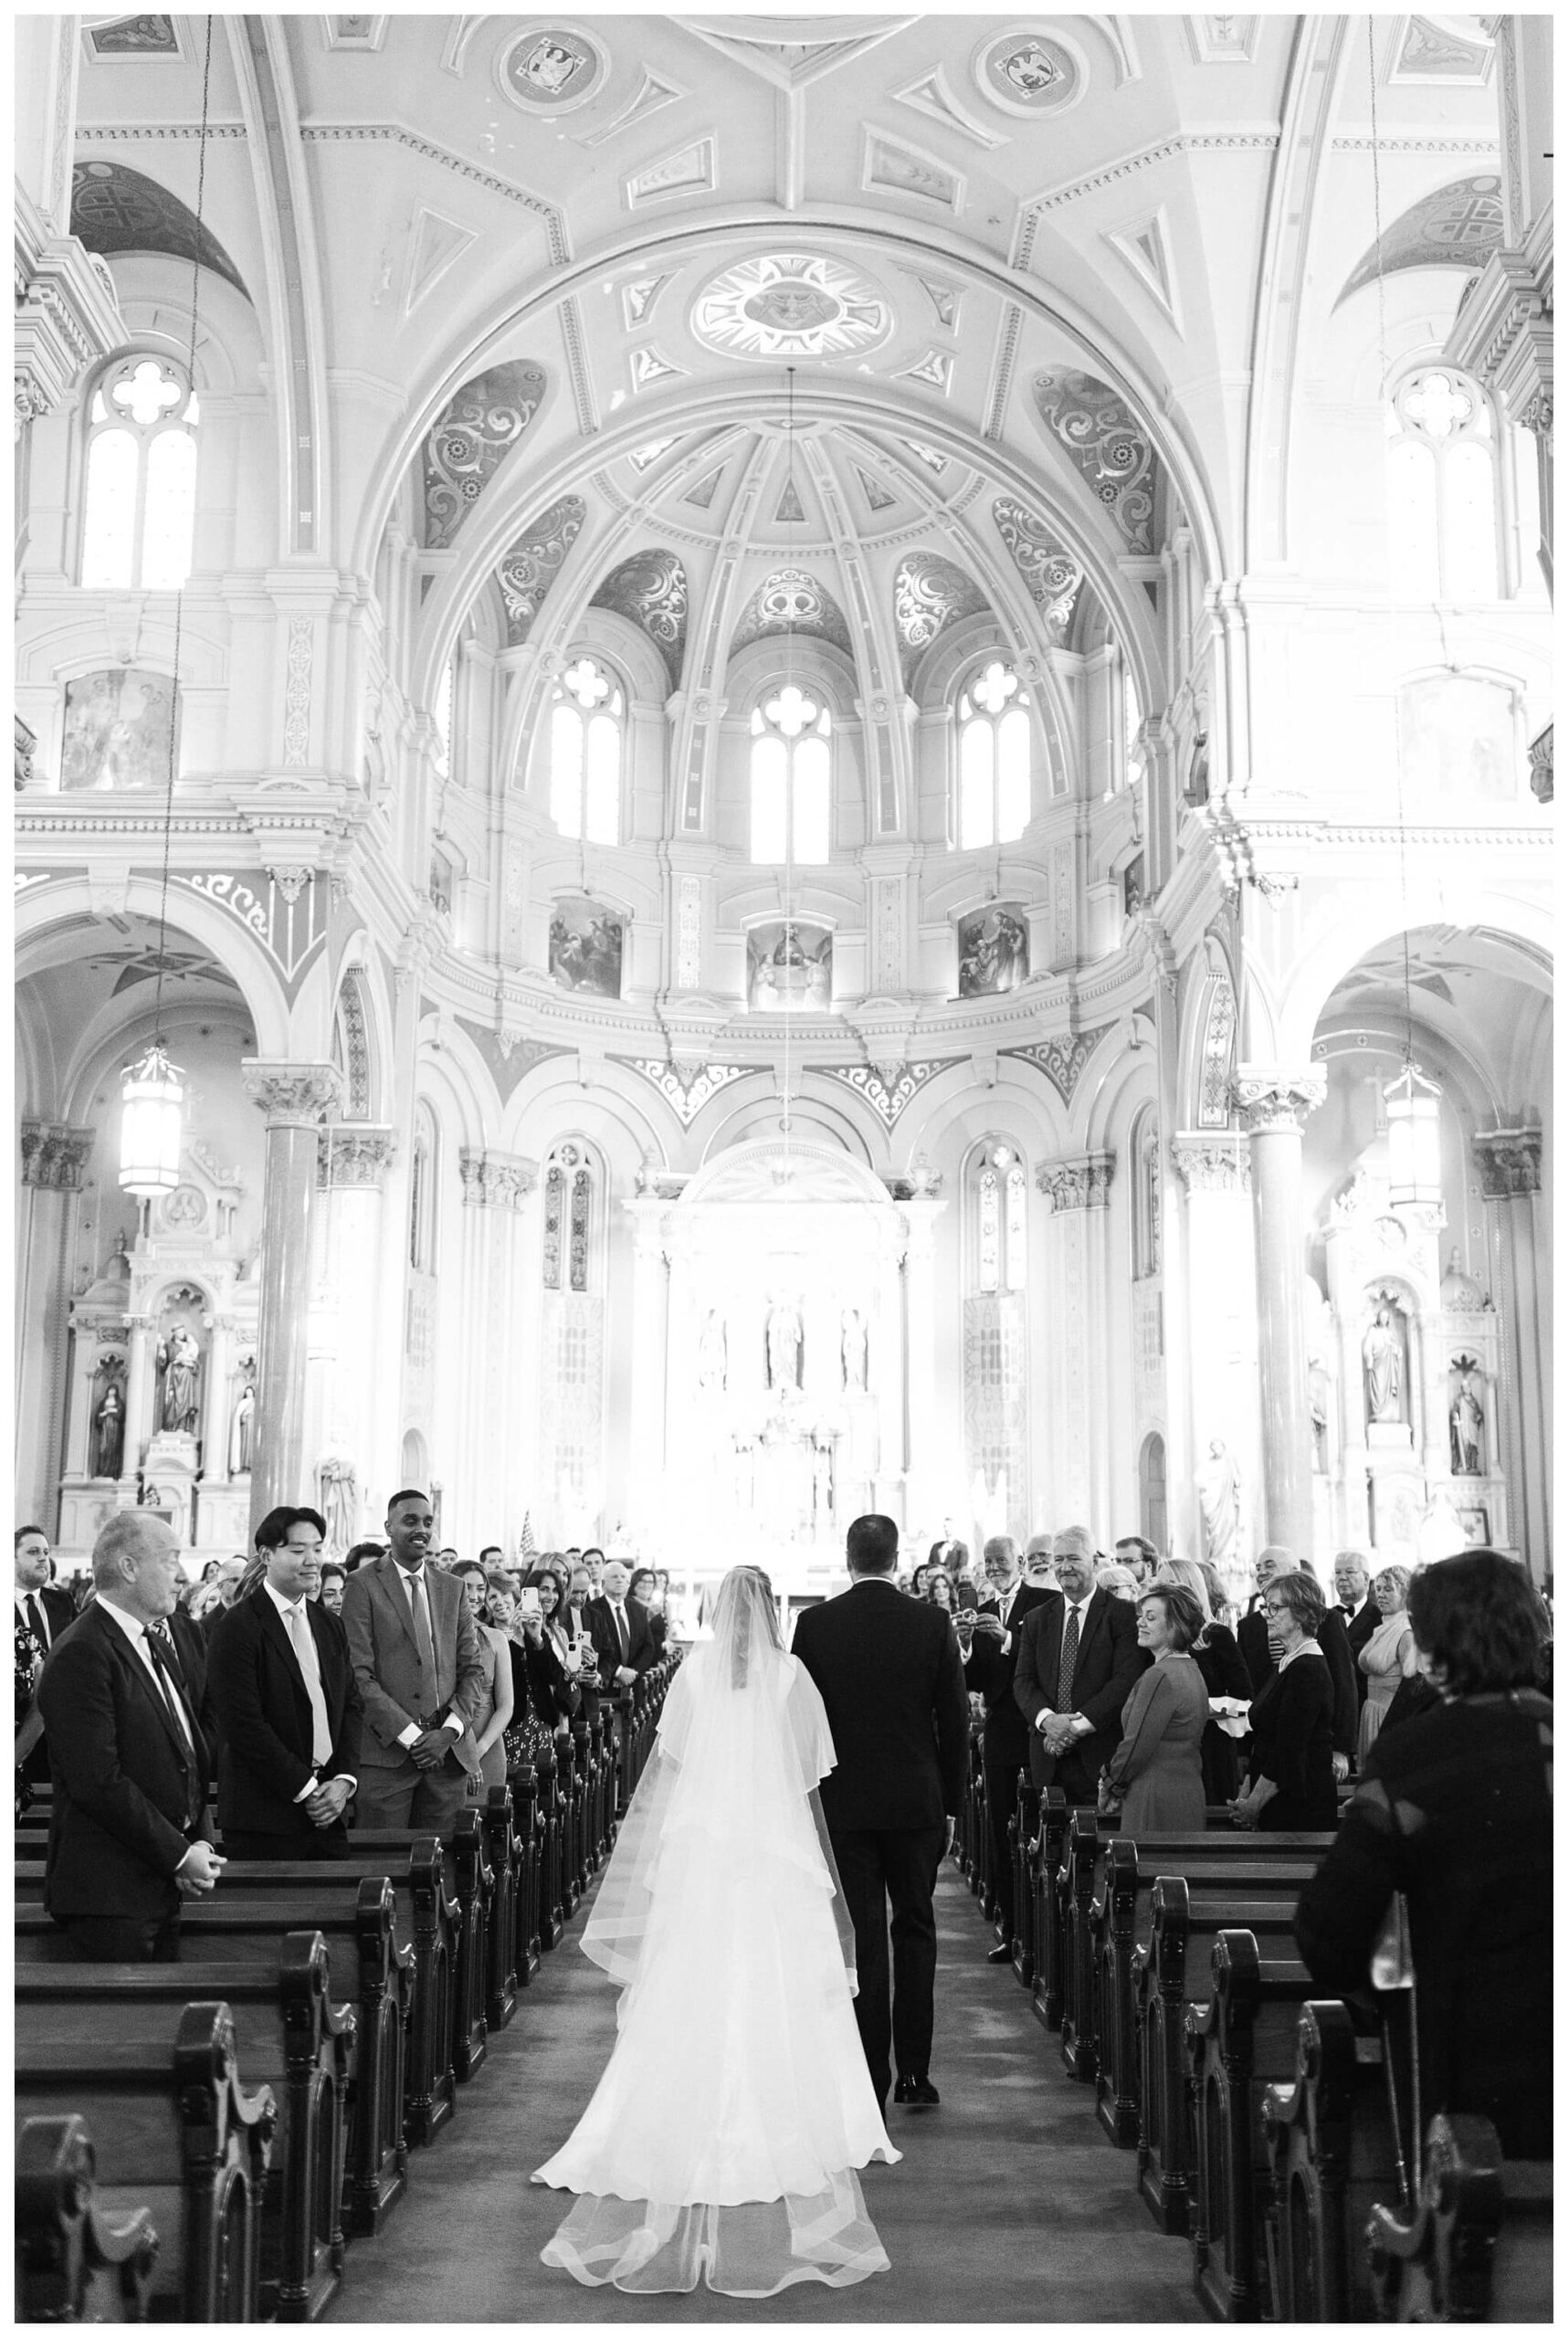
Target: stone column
(1078, 1190)
(925, 1442)
(215, 1432)
(650, 1357)
(53, 1158)
(293, 1096)
(497, 1187)
(1220, 1332)
(1274, 1104)
(352, 1162)
(138, 1397)
(1509, 1164)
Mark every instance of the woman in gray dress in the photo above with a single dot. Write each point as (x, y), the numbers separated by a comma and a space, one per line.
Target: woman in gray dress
(1156, 1775)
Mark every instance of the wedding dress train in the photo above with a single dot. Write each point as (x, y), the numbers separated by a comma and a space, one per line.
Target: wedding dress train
(724, 2135)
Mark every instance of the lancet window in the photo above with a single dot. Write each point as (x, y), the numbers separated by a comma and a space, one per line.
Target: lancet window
(1442, 489)
(993, 791)
(587, 747)
(140, 500)
(1000, 1220)
(792, 778)
(569, 1218)
(421, 1193)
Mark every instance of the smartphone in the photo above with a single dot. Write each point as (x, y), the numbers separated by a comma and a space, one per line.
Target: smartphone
(528, 1600)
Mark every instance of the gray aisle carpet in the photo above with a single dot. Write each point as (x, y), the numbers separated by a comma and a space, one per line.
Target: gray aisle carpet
(1009, 2204)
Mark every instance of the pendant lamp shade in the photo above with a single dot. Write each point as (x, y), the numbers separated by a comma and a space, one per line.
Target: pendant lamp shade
(1415, 1160)
(152, 1094)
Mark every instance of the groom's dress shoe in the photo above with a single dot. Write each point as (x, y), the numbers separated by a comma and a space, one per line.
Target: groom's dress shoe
(1003, 1955)
(919, 2094)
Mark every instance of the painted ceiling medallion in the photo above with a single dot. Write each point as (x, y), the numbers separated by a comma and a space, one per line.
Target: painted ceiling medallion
(1029, 73)
(791, 304)
(552, 70)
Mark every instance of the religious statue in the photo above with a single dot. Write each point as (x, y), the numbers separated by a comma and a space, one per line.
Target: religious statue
(1465, 1419)
(179, 1360)
(1318, 1412)
(1218, 1483)
(1439, 1535)
(712, 1354)
(853, 1346)
(340, 1503)
(783, 1348)
(822, 1491)
(108, 1434)
(242, 1432)
(1382, 1357)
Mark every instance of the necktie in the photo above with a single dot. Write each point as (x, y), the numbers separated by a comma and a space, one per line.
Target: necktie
(309, 1665)
(164, 1664)
(621, 1632)
(36, 1620)
(1068, 1663)
(423, 1641)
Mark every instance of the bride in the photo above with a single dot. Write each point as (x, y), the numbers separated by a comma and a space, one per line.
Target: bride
(724, 2135)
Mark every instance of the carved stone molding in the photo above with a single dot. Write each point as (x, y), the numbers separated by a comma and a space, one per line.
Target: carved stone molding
(496, 1180)
(1509, 1161)
(1082, 1182)
(292, 1095)
(1276, 1102)
(68, 315)
(1213, 1163)
(25, 741)
(53, 1155)
(356, 1155)
(1541, 765)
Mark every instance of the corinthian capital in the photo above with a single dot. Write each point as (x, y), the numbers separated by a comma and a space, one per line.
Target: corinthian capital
(1082, 1182)
(1272, 1102)
(1509, 1161)
(292, 1095)
(1212, 1162)
(496, 1180)
(53, 1156)
(358, 1154)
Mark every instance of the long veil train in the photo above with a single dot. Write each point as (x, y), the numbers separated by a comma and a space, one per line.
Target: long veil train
(724, 2135)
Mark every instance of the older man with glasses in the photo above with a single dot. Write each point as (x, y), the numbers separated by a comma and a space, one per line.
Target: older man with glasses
(988, 1641)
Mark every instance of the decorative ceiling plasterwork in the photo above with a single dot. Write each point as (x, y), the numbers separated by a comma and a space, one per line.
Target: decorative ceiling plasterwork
(650, 590)
(552, 68)
(530, 567)
(508, 1059)
(1456, 225)
(653, 94)
(1107, 443)
(1432, 50)
(888, 167)
(470, 441)
(685, 1095)
(114, 209)
(1029, 73)
(690, 170)
(1053, 575)
(792, 601)
(928, 94)
(791, 304)
(1063, 1060)
(930, 594)
(135, 37)
(887, 1099)
(394, 133)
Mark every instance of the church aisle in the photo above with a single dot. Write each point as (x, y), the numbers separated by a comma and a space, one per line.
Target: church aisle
(1008, 2206)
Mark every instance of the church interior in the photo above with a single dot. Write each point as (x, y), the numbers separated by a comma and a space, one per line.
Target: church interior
(768, 767)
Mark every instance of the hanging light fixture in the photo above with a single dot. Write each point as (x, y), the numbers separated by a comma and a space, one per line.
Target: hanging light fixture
(153, 1090)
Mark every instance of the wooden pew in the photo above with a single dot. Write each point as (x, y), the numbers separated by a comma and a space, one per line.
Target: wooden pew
(177, 2134)
(1022, 1828)
(74, 2263)
(229, 1951)
(1333, 2157)
(288, 2036)
(1477, 2245)
(1044, 1868)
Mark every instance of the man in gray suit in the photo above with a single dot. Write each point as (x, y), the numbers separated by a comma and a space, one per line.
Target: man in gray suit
(420, 1665)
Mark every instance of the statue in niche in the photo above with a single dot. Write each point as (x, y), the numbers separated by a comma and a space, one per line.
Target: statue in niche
(783, 1348)
(713, 1355)
(853, 1345)
(242, 1432)
(179, 1360)
(108, 1434)
(1219, 1504)
(822, 1491)
(1383, 1360)
(340, 1502)
(1466, 1420)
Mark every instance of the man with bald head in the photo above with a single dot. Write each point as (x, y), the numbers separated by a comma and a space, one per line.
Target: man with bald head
(128, 1836)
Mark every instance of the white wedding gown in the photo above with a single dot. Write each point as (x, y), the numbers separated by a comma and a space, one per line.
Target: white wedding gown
(724, 2135)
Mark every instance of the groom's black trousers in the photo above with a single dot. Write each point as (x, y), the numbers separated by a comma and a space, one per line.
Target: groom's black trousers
(876, 1866)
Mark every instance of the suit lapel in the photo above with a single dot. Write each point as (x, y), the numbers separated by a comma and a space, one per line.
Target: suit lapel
(1093, 1611)
(147, 1690)
(390, 1585)
(273, 1629)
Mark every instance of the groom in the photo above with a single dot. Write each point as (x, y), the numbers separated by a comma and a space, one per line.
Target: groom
(889, 1670)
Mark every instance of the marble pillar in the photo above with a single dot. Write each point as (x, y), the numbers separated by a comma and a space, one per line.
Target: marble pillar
(1077, 1462)
(53, 1158)
(139, 1388)
(293, 1097)
(1214, 1167)
(1274, 1105)
(352, 1162)
(925, 1444)
(1509, 1164)
(496, 1191)
(650, 1365)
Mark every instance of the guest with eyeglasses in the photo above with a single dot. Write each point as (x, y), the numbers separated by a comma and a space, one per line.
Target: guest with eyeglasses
(1290, 1783)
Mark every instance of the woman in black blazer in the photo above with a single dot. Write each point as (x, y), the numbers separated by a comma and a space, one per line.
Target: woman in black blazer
(1290, 1782)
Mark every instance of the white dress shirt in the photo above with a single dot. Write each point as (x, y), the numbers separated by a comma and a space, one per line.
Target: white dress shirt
(413, 1582)
(286, 1607)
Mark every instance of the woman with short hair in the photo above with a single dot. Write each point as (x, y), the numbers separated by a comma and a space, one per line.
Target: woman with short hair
(1218, 1658)
(1156, 1775)
(1290, 1783)
(1388, 1658)
(1118, 1581)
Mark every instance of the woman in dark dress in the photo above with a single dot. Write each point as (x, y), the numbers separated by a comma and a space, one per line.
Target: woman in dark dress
(556, 1697)
(1291, 1779)
(1224, 1674)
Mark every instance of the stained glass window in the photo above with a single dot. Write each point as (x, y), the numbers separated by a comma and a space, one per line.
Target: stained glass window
(139, 504)
(587, 729)
(568, 1218)
(994, 781)
(421, 1193)
(1000, 1224)
(792, 779)
(1442, 489)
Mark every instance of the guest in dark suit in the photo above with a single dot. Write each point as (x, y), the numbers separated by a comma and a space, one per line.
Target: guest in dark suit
(623, 1633)
(889, 1670)
(422, 1674)
(1253, 1638)
(1353, 1589)
(1078, 1662)
(127, 1835)
(43, 1613)
(288, 1707)
(1291, 1779)
(989, 1643)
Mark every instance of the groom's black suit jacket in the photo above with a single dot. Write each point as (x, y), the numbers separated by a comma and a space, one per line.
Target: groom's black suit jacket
(889, 1674)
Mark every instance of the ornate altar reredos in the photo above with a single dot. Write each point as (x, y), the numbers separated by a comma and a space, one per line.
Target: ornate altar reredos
(786, 1356)
(1403, 1370)
(163, 1351)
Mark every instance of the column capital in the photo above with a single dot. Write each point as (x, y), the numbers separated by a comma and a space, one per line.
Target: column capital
(1274, 1102)
(648, 1213)
(1080, 1183)
(496, 1180)
(1509, 1161)
(53, 1155)
(358, 1154)
(292, 1095)
(1212, 1162)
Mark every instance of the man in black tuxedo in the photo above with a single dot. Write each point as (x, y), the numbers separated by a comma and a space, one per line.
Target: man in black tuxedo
(990, 1647)
(1078, 1662)
(129, 1834)
(288, 1708)
(1353, 1589)
(42, 1615)
(888, 1672)
(622, 1631)
(1252, 1638)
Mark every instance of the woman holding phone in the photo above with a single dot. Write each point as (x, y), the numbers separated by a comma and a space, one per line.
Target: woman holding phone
(490, 1723)
(554, 1691)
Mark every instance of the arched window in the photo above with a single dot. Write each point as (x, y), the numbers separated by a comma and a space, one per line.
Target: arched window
(993, 793)
(1131, 723)
(792, 779)
(995, 1334)
(422, 1193)
(140, 500)
(587, 734)
(1144, 1153)
(569, 1217)
(1442, 489)
(1002, 1256)
(443, 694)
